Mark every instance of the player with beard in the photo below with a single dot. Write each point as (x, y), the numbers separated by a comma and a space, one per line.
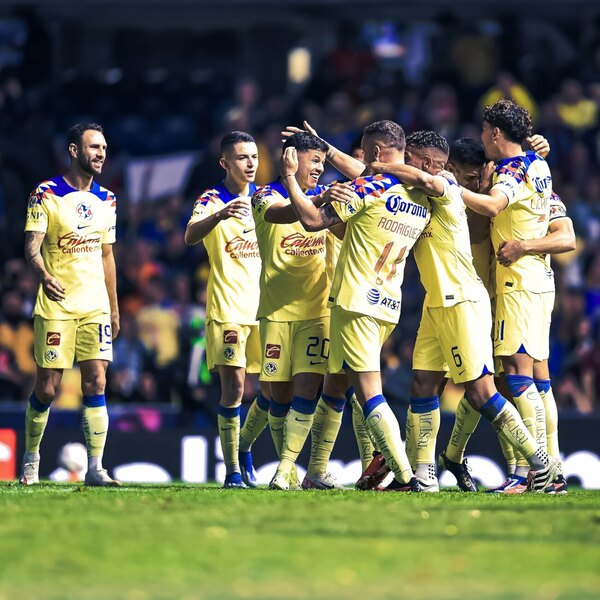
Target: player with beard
(70, 230)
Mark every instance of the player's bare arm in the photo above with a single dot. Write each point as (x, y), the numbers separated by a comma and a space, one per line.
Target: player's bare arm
(347, 165)
(433, 185)
(560, 238)
(311, 217)
(110, 277)
(52, 287)
(489, 205)
(197, 231)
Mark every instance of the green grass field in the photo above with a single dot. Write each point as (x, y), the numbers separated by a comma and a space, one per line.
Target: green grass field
(64, 541)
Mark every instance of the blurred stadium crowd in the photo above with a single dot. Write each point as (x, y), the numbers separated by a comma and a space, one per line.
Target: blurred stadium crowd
(423, 75)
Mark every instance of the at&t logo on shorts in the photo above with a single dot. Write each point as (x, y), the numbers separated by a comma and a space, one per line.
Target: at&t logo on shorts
(229, 353)
(230, 336)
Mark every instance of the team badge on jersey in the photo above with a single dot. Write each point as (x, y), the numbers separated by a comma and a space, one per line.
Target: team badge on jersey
(84, 211)
(229, 353)
(51, 355)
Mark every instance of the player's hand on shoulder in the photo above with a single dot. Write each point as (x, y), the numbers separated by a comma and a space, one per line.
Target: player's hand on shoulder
(236, 208)
(338, 192)
(539, 144)
(53, 288)
(510, 251)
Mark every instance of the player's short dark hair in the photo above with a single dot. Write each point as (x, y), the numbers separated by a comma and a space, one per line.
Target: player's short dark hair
(513, 120)
(356, 144)
(76, 132)
(428, 139)
(304, 141)
(234, 137)
(467, 151)
(389, 132)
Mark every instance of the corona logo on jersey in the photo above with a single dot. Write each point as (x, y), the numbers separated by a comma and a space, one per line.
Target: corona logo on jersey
(238, 247)
(300, 244)
(396, 204)
(73, 243)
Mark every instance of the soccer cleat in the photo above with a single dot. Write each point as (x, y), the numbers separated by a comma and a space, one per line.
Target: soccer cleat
(280, 481)
(431, 484)
(295, 485)
(513, 485)
(558, 486)
(31, 473)
(412, 486)
(100, 478)
(325, 482)
(234, 481)
(247, 469)
(374, 474)
(538, 481)
(461, 471)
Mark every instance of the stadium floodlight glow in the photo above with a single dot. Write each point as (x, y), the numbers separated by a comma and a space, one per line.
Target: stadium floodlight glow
(299, 60)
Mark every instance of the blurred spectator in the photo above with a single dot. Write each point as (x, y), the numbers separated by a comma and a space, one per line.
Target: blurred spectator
(507, 87)
(576, 111)
(159, 324)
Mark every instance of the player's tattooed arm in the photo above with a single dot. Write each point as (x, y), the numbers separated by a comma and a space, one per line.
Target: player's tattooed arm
(110, 278)
(52, 287)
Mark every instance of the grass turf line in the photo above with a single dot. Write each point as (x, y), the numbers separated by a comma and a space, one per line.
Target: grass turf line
(63, 541)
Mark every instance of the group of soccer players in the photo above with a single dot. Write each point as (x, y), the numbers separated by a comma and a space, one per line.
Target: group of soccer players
(305, 287)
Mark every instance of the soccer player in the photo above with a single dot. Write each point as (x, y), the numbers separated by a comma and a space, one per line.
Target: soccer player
(222, 220)
(560, 238)
(455, 312)
(293, 314)
(384, 219)
(69, 232)
(518, 201)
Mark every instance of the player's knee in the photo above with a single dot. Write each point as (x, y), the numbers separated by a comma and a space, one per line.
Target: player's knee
(45, 391)
(93, 383)
(232, 391)
(422, 387)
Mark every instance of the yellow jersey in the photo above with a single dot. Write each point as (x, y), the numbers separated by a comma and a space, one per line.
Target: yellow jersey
(443, 252)
(527, 183)
(76, 224)
(232, 247)
(384, 220)
(333, 246)
(293, 278)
